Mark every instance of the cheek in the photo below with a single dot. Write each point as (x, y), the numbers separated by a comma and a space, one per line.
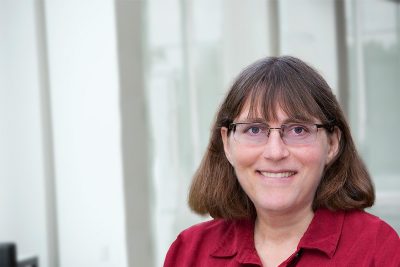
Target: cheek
(315, 159)
(243, 157)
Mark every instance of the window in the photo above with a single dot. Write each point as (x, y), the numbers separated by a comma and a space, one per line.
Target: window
(374, 60)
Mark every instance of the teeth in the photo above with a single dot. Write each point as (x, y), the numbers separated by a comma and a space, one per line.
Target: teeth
(277, 174)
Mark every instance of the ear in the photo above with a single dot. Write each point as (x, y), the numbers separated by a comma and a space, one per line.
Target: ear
(225, 140)
(333, 141)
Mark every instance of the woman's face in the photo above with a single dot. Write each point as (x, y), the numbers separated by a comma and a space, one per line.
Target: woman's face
(277, 177)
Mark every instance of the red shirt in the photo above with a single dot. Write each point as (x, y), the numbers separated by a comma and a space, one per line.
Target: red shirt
(353, 238)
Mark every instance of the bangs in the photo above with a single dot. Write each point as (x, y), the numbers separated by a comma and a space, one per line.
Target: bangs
(276, 91)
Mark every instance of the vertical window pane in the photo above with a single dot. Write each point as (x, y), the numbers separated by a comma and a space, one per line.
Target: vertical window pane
(374, 50)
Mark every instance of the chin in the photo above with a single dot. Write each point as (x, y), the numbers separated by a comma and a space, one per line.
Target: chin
(275, 207)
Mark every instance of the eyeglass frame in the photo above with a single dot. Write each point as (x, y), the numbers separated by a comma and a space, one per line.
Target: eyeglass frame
(328, 126)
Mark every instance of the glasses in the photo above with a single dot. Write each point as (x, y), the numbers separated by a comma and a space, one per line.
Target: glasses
(254, 134)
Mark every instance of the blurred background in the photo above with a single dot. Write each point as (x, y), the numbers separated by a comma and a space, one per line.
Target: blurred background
(106, 108)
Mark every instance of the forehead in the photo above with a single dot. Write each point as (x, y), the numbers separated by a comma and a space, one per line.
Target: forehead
(276, 112)
(251, 113)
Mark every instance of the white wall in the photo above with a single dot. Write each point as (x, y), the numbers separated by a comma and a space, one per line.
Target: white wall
(22, 175)
(308, 32)
(81, 220)
(87, 140)
(246, 35)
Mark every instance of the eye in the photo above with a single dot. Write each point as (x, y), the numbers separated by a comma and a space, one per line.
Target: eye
(297, 130)
(254, 129)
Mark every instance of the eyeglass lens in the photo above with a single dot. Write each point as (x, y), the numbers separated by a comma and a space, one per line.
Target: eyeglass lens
(258, 133)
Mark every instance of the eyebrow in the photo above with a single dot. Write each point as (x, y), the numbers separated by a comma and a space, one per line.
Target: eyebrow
(252, 120)
(285, 122)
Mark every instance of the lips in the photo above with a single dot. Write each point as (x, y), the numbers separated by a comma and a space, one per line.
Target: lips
(278, 175)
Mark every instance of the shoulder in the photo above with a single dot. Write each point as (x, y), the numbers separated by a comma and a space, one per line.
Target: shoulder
(373, 237)
(358, 219)
(204, 235)
(211, 227)
(197, 242)
(353, 238)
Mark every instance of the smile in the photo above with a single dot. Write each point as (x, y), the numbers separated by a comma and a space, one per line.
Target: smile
(277, 174)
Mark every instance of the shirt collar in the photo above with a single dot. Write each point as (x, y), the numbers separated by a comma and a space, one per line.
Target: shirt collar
(324, 231)
(238, 241)
(322, 234)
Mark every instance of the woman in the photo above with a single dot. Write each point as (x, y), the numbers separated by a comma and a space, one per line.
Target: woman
(283, 181)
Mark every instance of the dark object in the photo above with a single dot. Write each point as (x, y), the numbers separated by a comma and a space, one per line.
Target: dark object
(8, 257)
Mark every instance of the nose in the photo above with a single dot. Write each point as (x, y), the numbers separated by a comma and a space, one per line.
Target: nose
(275, 149)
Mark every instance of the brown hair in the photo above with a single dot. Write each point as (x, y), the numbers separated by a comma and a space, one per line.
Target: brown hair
(302, 94)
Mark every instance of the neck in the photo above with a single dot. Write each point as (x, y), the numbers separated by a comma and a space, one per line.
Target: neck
(282, 227)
